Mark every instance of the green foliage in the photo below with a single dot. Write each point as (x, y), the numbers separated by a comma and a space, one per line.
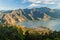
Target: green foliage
(10, 33)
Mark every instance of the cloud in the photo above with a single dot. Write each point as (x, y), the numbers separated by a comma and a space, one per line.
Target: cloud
(33, 5)
(24, 1)
(7, 8)
(49, 1)
(35, 1)
(38, 2)
(58, 5)
(32, 1)
(41, 3)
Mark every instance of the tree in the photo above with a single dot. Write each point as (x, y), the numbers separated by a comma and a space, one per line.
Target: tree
(27, 36)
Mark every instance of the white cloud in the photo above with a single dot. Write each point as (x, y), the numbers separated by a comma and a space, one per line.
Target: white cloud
(38, 2)
(58, 5)
(49, 1)
(6, 8)
(42, 3)
(35, 1)
(24, 1)
(33, 5)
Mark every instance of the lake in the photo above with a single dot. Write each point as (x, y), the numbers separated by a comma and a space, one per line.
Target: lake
(52, 24)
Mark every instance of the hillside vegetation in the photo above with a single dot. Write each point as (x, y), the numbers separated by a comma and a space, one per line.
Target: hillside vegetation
(8, 32)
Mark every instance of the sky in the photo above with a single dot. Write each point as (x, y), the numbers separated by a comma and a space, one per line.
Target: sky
(16, 4)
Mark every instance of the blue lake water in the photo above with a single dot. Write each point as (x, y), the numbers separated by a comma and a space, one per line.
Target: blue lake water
(52, 24)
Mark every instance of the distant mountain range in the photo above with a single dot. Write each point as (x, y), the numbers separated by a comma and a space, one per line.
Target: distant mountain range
(20, 15)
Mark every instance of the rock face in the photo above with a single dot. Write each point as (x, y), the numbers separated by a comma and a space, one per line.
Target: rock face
(46, 17)
(17, 17)
(11, 18)
(8, 19)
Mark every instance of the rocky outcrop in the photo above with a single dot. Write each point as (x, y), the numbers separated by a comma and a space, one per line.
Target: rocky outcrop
(12, 18)
(19, 16)
(9, 20)
(46, 17)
